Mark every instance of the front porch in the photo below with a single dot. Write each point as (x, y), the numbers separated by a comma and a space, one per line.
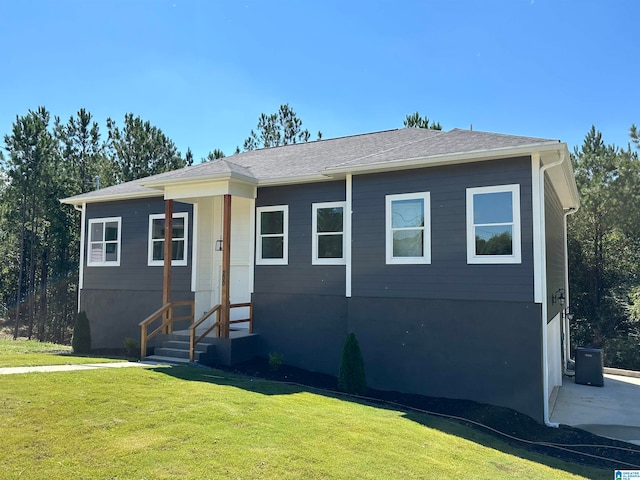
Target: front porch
(222, 274)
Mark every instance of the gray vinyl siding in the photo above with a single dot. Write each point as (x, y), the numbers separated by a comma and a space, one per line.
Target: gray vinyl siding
(555, 262)
(448, 276)
(300, 276)
(133, 272)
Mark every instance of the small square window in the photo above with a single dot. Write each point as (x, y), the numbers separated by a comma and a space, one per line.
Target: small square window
(327, 232)
(104, 242)
(408, 228)
(493, 224)
(272, 235)
(179, 234)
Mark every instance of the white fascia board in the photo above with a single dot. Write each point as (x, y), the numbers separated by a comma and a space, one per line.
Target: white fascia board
(446, 159)
(110, 198)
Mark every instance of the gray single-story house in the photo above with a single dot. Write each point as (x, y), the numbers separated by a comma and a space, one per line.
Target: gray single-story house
(444, 252)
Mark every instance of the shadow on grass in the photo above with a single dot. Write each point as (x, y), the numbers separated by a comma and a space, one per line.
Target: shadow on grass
(288, 380)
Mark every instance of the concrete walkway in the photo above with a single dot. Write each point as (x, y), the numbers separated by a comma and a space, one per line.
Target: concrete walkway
(72, 368)
(612, 411)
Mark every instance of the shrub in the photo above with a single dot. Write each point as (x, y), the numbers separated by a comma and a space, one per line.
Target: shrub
(131, 348)
(81, 341)
(622, 353)
(275, 361)
(351, 376)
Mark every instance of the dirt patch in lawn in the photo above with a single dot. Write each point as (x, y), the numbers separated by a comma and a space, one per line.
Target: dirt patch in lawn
(516, 429)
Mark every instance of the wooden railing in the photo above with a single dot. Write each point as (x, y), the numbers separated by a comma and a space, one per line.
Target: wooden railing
(166, 311)
(193, 340)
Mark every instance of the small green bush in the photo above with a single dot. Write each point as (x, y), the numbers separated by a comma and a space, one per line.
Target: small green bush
(351, 376)
(275, 361)
(81, 341)
(131, 348)
(622, 353)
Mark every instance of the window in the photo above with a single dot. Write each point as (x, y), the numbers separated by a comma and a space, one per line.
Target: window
(272, 235)
(328, 233)
(179, 233)
(104, 242)
(493, 224)
(408, 225)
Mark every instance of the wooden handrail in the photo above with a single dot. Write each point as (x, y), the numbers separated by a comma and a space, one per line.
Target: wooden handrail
(167, 322)
(193, 341)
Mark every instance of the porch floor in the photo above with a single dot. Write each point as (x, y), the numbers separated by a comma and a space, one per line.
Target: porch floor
(612, 411)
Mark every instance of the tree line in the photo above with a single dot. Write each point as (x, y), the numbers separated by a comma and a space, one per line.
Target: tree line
(47, 159)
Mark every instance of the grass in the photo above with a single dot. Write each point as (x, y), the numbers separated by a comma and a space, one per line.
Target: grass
(31, 353)
(186, 422)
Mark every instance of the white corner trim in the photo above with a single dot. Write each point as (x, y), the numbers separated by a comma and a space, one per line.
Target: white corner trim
(348, 212)
(538, 241)
(194, 247)
(83, 216)
(252, 244)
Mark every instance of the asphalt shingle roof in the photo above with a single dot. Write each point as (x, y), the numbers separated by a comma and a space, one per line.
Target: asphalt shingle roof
(313, 158)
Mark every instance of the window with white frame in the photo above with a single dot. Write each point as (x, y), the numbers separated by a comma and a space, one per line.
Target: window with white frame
(272, 235)
(179, 240)
(328, 225)
(104, 242)
(408, 228)
(493, 224)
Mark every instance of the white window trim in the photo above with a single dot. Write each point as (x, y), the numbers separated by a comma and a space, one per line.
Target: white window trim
(285, 234)
(314, 234)
(516, 256)
(174, 263)
(426, 237)
(104, 263)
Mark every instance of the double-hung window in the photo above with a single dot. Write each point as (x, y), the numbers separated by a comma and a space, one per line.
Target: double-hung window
(328, 226)
(272, 242)
(408, 228)
(493, 224)
(104, 242)
(179, 233)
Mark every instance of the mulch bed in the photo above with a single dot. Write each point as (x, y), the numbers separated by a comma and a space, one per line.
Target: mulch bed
(502, 419)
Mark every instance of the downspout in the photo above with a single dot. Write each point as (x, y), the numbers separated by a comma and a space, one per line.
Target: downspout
(543, 260)
(83, 210)
(566, 344)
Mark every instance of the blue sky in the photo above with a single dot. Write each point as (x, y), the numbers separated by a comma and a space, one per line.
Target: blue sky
(203, 71)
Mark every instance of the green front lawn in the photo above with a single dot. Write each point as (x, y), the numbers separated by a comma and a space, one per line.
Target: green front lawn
(186, 422)
(31, 353)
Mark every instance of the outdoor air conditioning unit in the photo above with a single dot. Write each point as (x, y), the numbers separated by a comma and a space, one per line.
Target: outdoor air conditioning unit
(589, 366)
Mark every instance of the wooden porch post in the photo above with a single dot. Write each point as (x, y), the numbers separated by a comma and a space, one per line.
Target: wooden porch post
(226, 265)
(166, 277)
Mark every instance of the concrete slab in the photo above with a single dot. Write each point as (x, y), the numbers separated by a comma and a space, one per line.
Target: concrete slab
(612, 411)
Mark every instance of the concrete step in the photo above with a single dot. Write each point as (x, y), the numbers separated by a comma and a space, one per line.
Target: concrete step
(172, 352)
(182, 345)
(169, 360)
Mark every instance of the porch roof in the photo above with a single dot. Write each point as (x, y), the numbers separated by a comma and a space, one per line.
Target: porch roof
(333, 158)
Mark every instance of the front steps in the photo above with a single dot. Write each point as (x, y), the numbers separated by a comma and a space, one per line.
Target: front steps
(174, 348)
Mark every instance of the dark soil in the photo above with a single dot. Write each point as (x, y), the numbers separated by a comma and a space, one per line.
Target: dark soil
(504, 420)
